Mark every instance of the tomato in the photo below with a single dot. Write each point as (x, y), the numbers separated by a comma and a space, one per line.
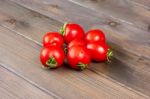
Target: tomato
(78, 57)
(72, 31)
(52, 56)
(99, 52)
(95, 36)
(76, 42)
(53, 38)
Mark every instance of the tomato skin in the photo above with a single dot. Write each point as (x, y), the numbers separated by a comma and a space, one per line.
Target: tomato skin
(98, 52)
(72, 31)
(53, 38)
(76, 42)
(77, 55)
(52, 51)
(95, 36)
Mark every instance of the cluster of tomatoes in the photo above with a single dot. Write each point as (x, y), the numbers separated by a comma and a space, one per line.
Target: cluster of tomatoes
(74, 46)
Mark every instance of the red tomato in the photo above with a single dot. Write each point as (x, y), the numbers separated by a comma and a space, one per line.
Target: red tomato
(76, 42)
(95, 36)
(78, 57)
(72, 31)
(99, 52)
(52, 56)
(53, 38)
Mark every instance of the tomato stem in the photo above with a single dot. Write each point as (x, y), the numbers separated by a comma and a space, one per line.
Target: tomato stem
(62, 29)
(51, 62)
(65, 50)
(81, 66)
(109, 55)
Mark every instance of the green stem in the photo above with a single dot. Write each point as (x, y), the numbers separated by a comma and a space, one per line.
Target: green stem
(65, 50)
(51, 62)
(81, 66)
(62, 29)
(109, 55)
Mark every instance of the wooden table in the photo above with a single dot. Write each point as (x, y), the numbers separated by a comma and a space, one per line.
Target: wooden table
(127, 27)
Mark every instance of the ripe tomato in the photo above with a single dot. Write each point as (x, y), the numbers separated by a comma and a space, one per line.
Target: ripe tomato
(52, 56)
(53, 38)
(72, 31)
(99, 52)
(78, 57)
(95, 36)
(76, 42)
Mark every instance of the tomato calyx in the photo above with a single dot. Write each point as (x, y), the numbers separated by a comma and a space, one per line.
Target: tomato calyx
(109, 55)
(81, 66)
(51, 62)
(62, 29)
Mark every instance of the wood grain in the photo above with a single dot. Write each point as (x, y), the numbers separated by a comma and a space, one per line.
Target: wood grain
(116, 31)
(18, 88)
(124, 10)
(142, 3)
(63, 82)
(129, 69)
(28, 22)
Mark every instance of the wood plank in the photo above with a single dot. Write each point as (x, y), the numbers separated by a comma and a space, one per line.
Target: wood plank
(14, 87)
(66, 83)
(124, 10)
(130, 69)
(116, 31)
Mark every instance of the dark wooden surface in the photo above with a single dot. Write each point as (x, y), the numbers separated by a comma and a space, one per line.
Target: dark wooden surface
(127, 27)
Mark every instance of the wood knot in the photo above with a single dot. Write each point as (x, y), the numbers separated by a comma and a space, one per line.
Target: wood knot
(54, 6)
(97, 0)
(112, 23)
(23, 24)
(36, 14)
(94, 0)
(11, 21)
(19, 23)
(148, 27)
